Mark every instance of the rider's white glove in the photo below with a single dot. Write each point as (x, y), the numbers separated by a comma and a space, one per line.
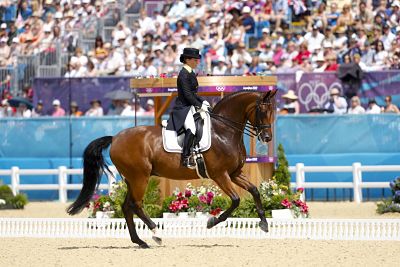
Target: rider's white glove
(205, 105)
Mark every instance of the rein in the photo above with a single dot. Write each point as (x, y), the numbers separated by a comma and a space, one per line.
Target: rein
(245, 128)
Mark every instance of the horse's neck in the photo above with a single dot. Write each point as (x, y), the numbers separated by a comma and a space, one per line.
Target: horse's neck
(237, 106)
(235, 110)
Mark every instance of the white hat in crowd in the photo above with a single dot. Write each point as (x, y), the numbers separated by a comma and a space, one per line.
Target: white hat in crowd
(213, 20)
(56, 102)
(3, 26)
(246, 9)
(3, 40)
(15, 40)
(150, 102)
(46, 28)
(58, 15)
(290, 95)
(265, 30)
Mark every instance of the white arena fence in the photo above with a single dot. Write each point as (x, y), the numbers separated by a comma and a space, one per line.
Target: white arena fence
(300, 170)
(247, 228)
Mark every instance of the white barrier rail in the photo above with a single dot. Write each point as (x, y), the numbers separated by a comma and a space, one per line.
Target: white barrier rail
(300, 170)
(322, 229)
(356, 169)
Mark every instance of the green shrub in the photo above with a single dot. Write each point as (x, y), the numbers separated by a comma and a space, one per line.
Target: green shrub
(282, 174)
(19, 201)
(246, 209)
(222, 202)
(6, 193)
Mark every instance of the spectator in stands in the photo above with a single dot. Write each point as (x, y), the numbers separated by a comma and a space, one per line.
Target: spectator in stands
(336, 103)
(23, 111)
(281, 9)
(240, 53)
(291, 105)
(247, 20)
(220, 68)
(4, 49)
(332, 63)
(58, 111)
(133, 108)
(356, 107)
(380, 56)
(240, 68)
(345, 18)
(390, 107)
(321, 64)
(365, 15)
(95, 109)
(314, 38)
(333, 16)
(149, 107)
(74, 109)
(303, 55)
(388, 37)
(38, 111)
(373, 108)
(5, 109)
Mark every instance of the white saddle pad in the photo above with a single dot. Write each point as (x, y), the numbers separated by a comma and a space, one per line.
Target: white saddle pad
(174, 143)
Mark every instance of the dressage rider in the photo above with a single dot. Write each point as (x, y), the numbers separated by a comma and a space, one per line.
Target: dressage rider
(187, 103)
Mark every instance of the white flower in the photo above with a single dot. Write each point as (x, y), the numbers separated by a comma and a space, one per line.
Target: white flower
(107, 204)
(2, 202)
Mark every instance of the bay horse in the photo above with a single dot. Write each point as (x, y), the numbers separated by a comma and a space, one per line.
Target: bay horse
(138, 153)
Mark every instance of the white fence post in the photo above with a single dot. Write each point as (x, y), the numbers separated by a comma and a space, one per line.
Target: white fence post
(15, 180)
(357, 181)
(300, 178)
(62, 182)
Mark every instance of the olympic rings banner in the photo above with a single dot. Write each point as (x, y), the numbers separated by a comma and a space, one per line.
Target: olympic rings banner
(312, 89)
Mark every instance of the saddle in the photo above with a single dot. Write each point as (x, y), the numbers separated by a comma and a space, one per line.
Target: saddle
(173, 142)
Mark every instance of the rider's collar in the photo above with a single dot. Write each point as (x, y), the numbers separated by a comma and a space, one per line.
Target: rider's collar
(189, 69)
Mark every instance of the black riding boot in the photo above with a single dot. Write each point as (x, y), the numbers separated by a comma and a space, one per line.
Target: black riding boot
(187, 149)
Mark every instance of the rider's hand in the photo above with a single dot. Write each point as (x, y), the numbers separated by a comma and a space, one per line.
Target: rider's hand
(205, 105)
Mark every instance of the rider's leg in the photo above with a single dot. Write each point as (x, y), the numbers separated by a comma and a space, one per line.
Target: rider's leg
(190, 132)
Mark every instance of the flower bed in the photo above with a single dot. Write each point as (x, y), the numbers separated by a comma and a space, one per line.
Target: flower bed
(391, 204)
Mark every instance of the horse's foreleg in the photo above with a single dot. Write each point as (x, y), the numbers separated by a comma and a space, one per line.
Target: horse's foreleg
(127, 209)
(242, 181)
(224, 182)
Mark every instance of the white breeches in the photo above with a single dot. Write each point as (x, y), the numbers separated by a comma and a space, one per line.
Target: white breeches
(189, 121)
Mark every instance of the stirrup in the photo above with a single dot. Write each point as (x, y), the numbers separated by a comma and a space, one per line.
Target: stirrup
(189, 163)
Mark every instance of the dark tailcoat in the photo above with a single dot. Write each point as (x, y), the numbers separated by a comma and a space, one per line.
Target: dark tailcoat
(187, 97)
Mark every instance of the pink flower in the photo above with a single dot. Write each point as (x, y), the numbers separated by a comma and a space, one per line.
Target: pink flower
(203, 199)
(286, 203)
(188, 193)
(210, 196)
(300, 189)
(179, 195)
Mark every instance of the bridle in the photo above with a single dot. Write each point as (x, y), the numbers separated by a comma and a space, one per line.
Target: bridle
(247, 128)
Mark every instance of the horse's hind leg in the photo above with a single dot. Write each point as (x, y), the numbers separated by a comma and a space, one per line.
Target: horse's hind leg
(242, 181)
(224, 182)
(128, 213)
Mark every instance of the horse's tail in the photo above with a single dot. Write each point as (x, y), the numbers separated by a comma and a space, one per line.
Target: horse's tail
(93, 168)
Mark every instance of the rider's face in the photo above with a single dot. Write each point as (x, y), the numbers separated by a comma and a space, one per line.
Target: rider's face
(192, 62)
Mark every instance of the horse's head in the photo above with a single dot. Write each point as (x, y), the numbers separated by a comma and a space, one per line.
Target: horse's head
(264, 115)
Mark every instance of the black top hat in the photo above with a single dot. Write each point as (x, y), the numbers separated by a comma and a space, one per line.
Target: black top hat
(190, 53)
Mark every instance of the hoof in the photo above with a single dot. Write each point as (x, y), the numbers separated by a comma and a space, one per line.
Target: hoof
(212, 222)
(264, 226)
(157, 240)
(144, 245)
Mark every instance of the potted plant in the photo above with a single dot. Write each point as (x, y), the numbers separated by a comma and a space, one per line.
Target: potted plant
(196, 202)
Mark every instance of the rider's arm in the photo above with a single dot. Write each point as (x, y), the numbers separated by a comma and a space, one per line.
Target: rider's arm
(188, 94)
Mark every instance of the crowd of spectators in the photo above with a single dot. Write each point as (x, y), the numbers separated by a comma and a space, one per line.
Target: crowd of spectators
(234, 37)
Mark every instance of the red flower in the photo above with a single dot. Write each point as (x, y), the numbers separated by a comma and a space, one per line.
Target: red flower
(179, 195)
(300, 189)
(215, 212)
(188, 193)
(286, 203)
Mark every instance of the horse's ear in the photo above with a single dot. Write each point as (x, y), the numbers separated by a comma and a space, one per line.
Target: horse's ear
(273, 93)
(266, 96)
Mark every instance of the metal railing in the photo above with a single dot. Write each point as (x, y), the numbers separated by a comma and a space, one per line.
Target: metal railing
(300, 170)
